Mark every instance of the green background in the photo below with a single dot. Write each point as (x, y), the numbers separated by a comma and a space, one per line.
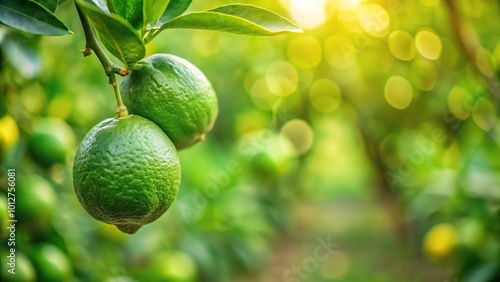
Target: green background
(372, 130)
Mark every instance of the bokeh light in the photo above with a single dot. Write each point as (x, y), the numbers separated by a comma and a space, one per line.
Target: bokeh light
(308, 14)
(347, 5)
(398, 92)
(305, 51)
(402, 45)
(374, 19)
(261, 96)
(460, 102)
(428, 44)
(325, 95)
(485, 114)
(300, 134)
(281, 78)
(484, 62)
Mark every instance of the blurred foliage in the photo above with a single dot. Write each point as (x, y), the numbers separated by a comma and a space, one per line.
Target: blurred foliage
(376, 100)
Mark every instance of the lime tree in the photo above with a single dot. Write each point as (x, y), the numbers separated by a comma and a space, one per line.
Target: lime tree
(126, 170)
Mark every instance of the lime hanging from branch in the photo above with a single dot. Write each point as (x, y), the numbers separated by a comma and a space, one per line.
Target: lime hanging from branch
(174, 94)
(126, 172)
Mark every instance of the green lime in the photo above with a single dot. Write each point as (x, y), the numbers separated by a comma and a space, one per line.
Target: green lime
(3, 105)
(175, 95)
(23, 268)
(4, 216)
(175, 266)
(130, 10)
(126, 172)
(269, 154)
(51, 141)
(36, 201)
(120, 279)
(51, 263)
(471, 232)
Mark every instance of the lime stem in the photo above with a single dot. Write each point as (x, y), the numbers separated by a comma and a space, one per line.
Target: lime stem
(121, 111)
(151, 35)
(109, 67)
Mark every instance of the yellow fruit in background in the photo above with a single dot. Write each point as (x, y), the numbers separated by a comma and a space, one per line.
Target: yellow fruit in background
(439, 242)
(126, 172)
(51, 141)
(51, 263)
(174, 94)
(9, 133)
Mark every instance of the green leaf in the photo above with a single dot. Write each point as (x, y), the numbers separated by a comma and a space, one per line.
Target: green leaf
(21, 51)
(31, 17)
(153, 9)
(174, 9)
(117, 35)
(51, 5)
(236, 18)
(130, 10)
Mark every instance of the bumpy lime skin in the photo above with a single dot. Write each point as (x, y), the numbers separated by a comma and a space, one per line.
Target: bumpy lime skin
(174, 94)
(126, 172)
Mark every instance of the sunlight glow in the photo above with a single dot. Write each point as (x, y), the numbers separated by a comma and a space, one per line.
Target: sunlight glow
(347, 5)
(308, 14)
(374, 20)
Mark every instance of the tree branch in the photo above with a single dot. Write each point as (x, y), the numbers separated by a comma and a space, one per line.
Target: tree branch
(466, 38)
(109, 67)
